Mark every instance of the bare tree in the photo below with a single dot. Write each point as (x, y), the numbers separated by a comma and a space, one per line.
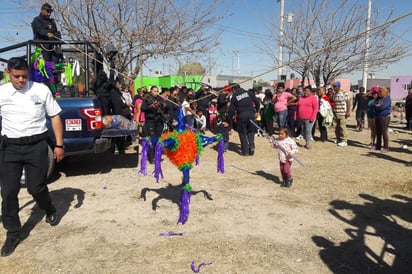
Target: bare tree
(140, 29)
(323, 40)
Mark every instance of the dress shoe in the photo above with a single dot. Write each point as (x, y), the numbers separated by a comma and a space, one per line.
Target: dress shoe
(252, 152)
(52, 219)
(9, 246)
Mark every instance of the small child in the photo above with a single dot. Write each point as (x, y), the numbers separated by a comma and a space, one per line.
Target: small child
(201, 121)
(224, 128)
(286, 147)
(268, 115)
(212, 116)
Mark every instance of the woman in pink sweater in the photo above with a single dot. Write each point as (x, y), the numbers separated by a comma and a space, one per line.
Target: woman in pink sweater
(306, 111)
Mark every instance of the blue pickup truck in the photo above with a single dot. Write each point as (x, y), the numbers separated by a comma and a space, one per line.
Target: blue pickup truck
(81, 116)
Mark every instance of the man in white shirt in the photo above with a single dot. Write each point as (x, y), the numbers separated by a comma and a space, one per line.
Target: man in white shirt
(24, 106)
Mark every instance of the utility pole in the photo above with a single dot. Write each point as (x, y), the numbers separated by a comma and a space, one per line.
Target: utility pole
(282, 14)
(237, 53)
(366, 54)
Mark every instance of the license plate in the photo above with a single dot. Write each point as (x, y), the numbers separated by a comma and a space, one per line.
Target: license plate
(73, 124)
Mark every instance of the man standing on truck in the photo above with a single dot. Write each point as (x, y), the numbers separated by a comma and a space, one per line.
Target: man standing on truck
(106, 75)
(44, 28)
(24, 106)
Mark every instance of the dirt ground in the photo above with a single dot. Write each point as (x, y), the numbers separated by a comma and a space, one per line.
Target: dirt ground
(349, 211)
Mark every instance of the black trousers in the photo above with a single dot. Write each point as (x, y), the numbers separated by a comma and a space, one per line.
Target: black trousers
(246, 132)
(13, 158)
(154, 129)
(382, 124)
(322, 129)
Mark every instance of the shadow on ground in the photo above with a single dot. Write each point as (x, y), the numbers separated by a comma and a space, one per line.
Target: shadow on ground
(62, 200)
(95, 164)
(171, 193)
(380, 236)
(261, 173)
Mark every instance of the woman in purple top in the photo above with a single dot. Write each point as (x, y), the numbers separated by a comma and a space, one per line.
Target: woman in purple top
(281, 99)
(383, 107)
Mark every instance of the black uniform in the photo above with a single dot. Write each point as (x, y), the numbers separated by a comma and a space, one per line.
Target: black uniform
(154, 109)
(245, 106)
(105, 79)
(203, 99)
(41, 27)
(222, 108)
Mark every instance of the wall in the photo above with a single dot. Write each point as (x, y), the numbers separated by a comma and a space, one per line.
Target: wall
(399, 86)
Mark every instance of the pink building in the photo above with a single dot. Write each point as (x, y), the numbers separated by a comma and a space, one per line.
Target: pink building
(291, 83)
(400, 86)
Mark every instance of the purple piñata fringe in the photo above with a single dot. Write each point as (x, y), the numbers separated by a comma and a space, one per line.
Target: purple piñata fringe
(158, 165)
(143, 160)
(171, 233)
(198, 268)
(220, 159)
(184, 200)
(197, 160)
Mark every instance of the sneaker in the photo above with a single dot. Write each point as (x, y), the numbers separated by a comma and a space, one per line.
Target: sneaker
(342, 144)
(384, 150)
(300, 137)
(373, 147)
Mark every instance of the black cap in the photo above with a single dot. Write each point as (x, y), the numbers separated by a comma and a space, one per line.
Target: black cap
(46, 6)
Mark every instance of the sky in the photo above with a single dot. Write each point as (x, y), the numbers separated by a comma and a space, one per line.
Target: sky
(243, 27)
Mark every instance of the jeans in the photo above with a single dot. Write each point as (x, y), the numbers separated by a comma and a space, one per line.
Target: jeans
(372, 128)
(307, 131)
(281, 118)
(360, 117)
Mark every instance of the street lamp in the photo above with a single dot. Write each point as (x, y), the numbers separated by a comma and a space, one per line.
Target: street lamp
(366, 54)
(237, 53)
(280, 63)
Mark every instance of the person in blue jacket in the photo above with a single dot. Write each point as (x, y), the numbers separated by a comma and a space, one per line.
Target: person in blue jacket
(383, 107)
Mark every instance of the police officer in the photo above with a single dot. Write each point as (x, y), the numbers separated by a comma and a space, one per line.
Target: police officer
(106, 75)
(245, 105)
(154, 108)
(24, 106)
(44, 28)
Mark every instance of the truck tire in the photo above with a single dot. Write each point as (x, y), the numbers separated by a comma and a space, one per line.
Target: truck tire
(50, 166)
(52, 161)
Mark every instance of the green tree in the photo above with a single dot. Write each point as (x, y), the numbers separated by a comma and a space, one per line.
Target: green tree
(192, 68)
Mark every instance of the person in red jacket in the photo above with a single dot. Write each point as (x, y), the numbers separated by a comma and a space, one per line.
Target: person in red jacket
(306, 111)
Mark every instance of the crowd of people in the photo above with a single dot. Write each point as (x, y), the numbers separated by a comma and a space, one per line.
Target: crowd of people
(302, 110)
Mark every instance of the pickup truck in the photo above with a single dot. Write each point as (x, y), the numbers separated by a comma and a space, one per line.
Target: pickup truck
(81, 116)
